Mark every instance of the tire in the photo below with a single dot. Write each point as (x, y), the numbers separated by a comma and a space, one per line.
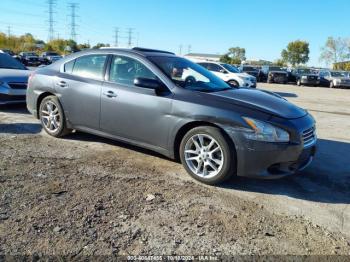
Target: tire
(233, 83)
(196, 157)
(52, 117)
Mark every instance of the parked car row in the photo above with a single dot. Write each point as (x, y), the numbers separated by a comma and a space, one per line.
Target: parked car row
(299, 76)
(32, 58)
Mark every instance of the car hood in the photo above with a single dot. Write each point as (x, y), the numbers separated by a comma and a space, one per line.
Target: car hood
(14, 75)
(261, 100)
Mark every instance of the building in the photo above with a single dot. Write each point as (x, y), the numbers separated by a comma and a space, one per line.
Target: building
(203, 57)
(342, 66)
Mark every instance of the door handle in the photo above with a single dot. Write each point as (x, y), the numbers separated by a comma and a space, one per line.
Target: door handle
(62, 84)
(110, 94)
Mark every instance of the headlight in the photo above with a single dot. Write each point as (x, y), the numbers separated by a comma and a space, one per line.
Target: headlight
(304, 77)
(262, 131)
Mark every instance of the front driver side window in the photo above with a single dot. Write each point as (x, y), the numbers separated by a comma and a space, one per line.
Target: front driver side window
(124, 70)
(214, 68)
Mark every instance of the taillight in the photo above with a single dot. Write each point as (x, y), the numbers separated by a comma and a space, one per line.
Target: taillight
(31, 77)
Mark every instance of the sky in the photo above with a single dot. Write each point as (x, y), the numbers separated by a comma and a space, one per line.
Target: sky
(262, 27)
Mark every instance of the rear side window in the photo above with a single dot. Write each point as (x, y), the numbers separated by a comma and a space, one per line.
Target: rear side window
(90, 66)
(68, 67)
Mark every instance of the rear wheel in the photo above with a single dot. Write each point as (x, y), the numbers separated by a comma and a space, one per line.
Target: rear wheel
(52, 117)
(206, 155)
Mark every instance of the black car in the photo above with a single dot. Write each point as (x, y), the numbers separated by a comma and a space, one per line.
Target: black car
(47, 58)
(273, 74)
(304, 76)
(251, 70)
(141, 96)
(29, 58)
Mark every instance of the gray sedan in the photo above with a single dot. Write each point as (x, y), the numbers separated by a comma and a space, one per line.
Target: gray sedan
(156, 100)
(13, 80)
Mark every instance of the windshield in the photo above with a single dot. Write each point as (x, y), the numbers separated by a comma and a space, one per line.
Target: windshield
(338, 74)
(305, 71)
(7, 62)
(275, 68)
(189, 75)
(30, 54)
(249, 68)
(52, 54)
(230, 68)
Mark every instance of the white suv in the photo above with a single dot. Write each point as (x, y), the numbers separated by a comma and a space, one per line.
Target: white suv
(230, 74)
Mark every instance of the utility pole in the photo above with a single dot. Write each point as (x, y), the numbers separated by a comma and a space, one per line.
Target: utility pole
(116, 36)
(51, 6)
(9, 31)
(189, 49)
(130, 36)
(180, 50)
(73, 25)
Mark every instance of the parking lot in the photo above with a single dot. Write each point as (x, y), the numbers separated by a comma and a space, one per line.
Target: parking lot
(88, 195)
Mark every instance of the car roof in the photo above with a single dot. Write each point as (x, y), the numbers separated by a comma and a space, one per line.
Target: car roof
(136, 50)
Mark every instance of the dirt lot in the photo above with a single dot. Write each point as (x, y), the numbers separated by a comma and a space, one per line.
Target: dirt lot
(87, 195)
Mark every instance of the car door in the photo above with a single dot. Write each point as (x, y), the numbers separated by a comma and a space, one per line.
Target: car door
(132, 112)
(79, 85)
(324, 78)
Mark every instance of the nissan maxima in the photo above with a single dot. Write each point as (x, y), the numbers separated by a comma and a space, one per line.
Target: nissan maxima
(139, 96)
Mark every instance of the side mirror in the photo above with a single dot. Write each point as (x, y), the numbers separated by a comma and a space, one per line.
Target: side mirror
(223, 71)
(150, 84)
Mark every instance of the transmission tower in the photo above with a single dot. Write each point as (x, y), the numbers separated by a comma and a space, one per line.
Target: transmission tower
(116, 36)
(130, 36)
(73, 17)
(51, 11)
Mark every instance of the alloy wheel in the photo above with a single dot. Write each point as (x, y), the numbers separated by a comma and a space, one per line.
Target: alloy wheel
(204, 156)
(50, 116)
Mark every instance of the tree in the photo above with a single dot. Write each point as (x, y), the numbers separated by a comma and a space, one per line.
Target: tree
(335, 50)
(99, 45)
(280, 62)
(296, 53)
(235, 55)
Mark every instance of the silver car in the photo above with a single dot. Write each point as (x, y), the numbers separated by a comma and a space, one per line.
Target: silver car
(13, 80)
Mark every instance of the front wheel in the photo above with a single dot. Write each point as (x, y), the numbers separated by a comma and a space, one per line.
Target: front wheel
(52, 117)
(206, 155)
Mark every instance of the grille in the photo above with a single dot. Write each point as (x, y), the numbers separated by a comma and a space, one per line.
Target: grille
(309, 136)
(312, 77)
(18, 85)
(7, 98)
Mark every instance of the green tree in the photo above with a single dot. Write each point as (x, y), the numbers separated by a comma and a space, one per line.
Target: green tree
(235, 55)
(280, 62)
(99, 45)
(296, 53)
(335, 50)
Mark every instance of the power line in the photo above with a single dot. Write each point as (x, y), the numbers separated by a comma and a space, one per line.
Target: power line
(73, 24)
(51, 6)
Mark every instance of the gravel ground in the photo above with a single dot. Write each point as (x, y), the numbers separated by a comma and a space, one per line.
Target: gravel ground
(84, 195)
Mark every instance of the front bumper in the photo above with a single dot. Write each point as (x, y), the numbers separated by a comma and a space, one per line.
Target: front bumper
(309, 82)
(270, 160)
(12, 96)
(249, 83)
(342, 84)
